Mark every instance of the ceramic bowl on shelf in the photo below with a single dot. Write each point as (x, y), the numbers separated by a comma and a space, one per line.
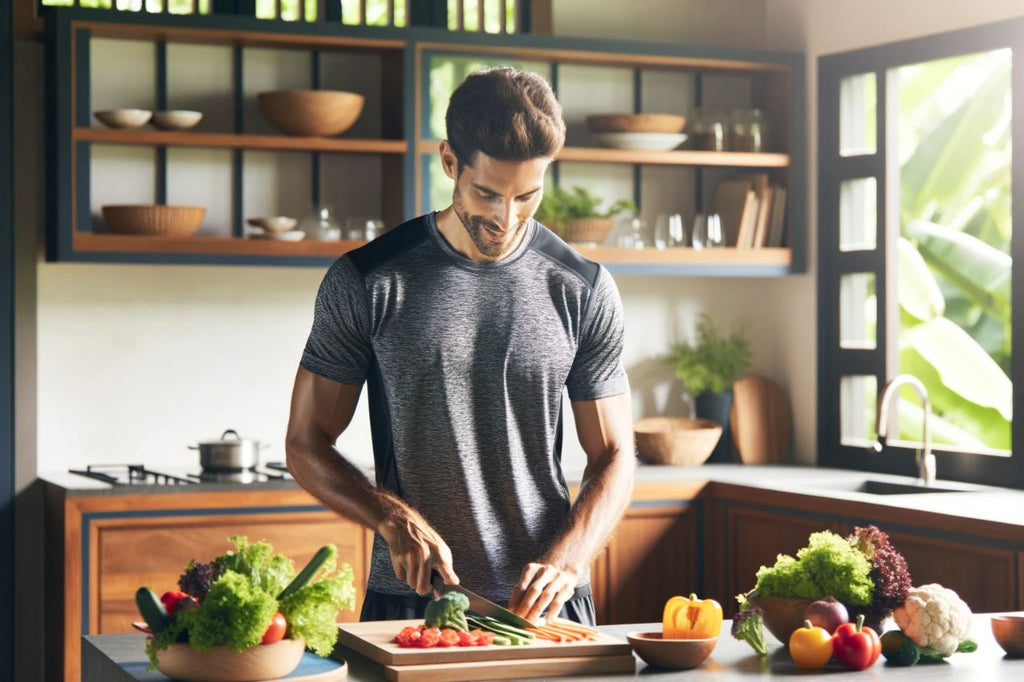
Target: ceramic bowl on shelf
(648, 142)
(289, 236)
(221, 664)
(176, 119)
(275, 224)
(311, 113)
(670, 653)
(154, 220)
(124, 118)
(1008, 629)
(636, 123)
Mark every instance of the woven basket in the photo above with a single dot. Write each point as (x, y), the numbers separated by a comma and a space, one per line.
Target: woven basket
(311, 113)
(588, 230)
(156, 220)
(636, 123)
(677, 441)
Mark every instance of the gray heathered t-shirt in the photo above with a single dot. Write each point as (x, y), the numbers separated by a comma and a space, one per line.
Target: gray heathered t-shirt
(465, 364)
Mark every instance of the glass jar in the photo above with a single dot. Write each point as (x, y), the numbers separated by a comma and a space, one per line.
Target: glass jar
(748, 131)
(321, 224)
(708, 131)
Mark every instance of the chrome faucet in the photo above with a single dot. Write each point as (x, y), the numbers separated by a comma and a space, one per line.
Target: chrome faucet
(925, 458)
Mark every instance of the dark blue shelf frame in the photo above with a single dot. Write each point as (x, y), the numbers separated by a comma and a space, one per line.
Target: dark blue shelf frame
(65, 68)
(7, 586)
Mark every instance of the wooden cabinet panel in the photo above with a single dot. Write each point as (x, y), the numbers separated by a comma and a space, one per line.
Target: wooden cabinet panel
(984, 576)
(154, 551)
(652, 557)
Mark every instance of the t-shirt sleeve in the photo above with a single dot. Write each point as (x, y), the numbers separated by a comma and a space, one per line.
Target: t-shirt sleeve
(338, 347)
(597, 371)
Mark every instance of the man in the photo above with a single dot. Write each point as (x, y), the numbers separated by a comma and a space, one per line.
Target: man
(467, 325)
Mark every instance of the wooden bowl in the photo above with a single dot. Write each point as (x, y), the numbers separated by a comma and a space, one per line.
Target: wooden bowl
(676, 441)
(670, 653)
(588, 230)
(155, 220)
(782, 615)
(124, 118)
(312, 113)
(221, 664)
(176, 119)
(1008, 629)
(636, 123)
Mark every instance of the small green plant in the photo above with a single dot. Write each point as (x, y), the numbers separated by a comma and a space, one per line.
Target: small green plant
(559, 207)
(714, 362)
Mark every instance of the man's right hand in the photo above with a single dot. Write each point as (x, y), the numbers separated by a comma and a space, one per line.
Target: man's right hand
(416, 548)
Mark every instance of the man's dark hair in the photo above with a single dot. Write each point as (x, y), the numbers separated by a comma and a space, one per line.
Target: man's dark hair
(507, 114)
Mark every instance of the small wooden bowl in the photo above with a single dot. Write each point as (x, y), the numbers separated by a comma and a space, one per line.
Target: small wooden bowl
(670, 653)
(311, 113)
(782, 615)
(154, 220)
(636, 123)
(676, 441)
(221, 664)
(588, 230)
(1008, 630)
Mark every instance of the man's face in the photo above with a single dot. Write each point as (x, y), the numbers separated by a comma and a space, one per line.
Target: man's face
(494, 200)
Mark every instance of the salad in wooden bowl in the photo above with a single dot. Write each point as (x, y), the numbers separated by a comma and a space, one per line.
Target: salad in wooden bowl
(245, 615)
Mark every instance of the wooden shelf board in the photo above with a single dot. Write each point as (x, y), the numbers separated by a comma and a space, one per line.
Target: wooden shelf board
(122, 243)
(186, 138)
(684, 157)
(127, 243)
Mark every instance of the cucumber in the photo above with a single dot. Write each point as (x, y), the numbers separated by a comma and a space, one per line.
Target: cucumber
(152, 610)
(310, 570)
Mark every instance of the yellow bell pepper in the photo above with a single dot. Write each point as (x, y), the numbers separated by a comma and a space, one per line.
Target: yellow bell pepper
(691, 618)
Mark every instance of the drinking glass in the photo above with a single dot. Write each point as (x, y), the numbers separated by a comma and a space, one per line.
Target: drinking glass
(669, 231)
(707, 231)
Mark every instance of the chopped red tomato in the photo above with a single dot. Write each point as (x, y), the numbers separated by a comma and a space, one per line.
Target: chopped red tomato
(449, 637)
(430, 638)
(405, 637)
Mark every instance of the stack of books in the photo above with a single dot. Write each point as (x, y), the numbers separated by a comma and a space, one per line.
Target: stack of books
(752, 210)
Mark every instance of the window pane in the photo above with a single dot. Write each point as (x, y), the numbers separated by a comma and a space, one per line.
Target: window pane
(857, 306)
(953, 251)
(858, 397)
(858, 214)
(858, 98)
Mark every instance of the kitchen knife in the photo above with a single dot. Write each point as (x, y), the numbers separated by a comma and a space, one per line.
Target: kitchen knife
(485, 607)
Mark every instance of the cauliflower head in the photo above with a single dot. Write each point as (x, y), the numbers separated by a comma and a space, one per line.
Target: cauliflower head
(934, 616)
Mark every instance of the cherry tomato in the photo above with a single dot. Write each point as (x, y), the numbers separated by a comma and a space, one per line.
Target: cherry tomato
(404, 638)
(170, 600)
(856, 645)
(276, 629)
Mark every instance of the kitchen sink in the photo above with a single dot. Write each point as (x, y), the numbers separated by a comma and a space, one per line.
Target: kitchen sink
(876, 487)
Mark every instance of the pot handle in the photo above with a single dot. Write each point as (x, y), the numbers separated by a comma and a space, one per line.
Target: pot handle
(234, 433)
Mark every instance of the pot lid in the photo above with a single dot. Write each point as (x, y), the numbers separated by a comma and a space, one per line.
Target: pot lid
(229, 437)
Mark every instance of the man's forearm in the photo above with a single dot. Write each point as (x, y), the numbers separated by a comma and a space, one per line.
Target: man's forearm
(605, 492)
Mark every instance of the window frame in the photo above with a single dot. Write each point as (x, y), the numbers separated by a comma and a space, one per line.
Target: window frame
(835, 362)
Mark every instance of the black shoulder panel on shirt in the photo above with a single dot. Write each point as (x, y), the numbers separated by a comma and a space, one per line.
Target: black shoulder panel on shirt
(382, 249)
(548, 243)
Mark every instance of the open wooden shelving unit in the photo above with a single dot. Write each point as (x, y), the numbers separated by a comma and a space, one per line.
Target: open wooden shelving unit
(404, 146)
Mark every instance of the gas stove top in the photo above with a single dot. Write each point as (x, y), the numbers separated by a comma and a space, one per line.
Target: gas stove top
(138, 474)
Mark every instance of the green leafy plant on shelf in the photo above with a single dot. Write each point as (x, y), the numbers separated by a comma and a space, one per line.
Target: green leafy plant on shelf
(714, 362)
(561, 206)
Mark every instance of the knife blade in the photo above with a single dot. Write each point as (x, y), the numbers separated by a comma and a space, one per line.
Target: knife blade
(481, 605)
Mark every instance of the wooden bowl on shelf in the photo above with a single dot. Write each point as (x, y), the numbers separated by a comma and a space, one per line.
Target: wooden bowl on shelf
(588, 230)
(154, 220)
(221, 664)
(311, 113)
(676, 441)
(636, 123)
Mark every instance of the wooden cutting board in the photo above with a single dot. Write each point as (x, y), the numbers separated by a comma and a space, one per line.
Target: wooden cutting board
(373, 639)
(761, 420)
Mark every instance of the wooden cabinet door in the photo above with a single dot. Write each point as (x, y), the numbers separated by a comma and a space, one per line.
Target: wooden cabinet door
(153, 551)
(652, 556)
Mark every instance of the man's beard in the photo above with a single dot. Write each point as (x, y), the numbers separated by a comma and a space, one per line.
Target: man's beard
(477, 228)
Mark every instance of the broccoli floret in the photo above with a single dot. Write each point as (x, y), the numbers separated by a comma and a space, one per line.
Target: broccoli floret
(448, 611)
(747, 626)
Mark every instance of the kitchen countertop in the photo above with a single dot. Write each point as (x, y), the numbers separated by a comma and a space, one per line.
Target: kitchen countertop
(989, 504)
(121, 658)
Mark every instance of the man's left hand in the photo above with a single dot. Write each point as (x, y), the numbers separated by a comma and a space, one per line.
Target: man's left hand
(542, 586)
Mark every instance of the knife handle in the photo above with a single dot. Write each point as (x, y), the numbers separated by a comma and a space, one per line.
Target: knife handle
(436, 581)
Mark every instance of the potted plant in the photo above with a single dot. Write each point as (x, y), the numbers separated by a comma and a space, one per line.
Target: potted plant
(573, 214)
(708, 368)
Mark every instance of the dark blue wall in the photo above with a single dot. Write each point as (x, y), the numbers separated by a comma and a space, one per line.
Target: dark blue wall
(6, 341)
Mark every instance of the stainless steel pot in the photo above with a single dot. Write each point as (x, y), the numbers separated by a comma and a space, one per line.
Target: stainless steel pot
(231, 452)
